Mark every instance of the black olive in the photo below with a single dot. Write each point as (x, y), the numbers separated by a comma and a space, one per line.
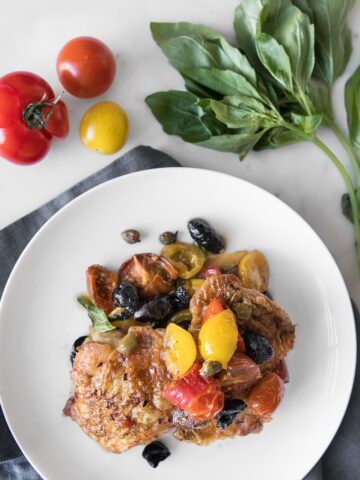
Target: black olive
(180, 298)
(125, 295)
(258, 348)
(268, 294)
(131, 236)
(155, 312)
(155, 452)
(231, 410)
(79, 341)
(168, 237)
(205, 236)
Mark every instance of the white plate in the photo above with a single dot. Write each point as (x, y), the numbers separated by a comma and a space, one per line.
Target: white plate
(40, 319)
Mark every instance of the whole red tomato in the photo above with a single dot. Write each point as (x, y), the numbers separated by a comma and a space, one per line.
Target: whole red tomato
(265, 396)
(86, 67)
(29, 117)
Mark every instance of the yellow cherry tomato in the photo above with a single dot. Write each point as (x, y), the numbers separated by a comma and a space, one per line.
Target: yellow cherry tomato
(218, 337)
(254, 271)
(186, 258)
(104, 127)
(180, 350)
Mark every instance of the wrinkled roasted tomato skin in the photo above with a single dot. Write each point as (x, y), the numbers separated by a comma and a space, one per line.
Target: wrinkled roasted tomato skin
(201, 398)
(152, 274)
(100, 284)
(266, 395)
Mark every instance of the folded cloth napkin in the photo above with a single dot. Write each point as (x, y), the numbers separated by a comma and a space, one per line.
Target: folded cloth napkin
(342, 459)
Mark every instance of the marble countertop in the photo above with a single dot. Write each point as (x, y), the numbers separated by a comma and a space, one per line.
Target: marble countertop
(31, 35)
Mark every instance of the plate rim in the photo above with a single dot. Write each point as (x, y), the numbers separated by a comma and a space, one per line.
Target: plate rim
(201, 171)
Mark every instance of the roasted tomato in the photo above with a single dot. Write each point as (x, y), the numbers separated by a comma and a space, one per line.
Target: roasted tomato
(241, 374)
(101, 283)
(214, 307)
(180, 350)
(201, 397)
(151, 274)
(254, 271)
(266, 395)
(187, 259)
(209, 270)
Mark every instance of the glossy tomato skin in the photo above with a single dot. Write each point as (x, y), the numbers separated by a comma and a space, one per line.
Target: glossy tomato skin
(266, 395)
(101, 283)
(18, 142)
(86, 67)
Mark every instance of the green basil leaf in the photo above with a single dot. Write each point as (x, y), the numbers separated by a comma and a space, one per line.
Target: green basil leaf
(320, 98)
(98, 317)
(225, 82)
(352, 103)
(190, 46)
(179, 114)
(332, 36)
(275, 60)
(199, 90)
(240, 143)
(235, 117)
(308, 123)
(277, 137)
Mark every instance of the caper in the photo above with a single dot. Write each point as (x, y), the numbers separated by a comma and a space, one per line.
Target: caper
(181, 316)
(131, 235)
(127, 344)
(243, 311)
(210, 368)
(168, 237)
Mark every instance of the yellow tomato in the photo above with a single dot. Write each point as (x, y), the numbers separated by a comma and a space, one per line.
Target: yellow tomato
(186, 258)
(104, 127)
(180, 350)
(218, 337)
(254, 271)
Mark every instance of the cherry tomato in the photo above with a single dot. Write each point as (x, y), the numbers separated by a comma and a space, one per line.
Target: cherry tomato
(209, 270)
(29, 117)
(253, 271)
(104, 127)
(180, 350)
(266, 395)
(101, 283)
(152, 274)
(214, 307)
(201, 397)
(86, 67)
(187, 259)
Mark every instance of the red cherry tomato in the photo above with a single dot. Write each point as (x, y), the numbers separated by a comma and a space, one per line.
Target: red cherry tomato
(265, 396)
(29, 117)
(86, 67)
(101, 283)
(201, 397)
(208, 271)
(214, 307)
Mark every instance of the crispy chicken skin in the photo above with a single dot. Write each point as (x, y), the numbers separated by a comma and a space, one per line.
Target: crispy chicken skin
(118, 400)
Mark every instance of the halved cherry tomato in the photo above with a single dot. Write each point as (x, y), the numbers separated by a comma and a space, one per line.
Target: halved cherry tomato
(254, 271)
(214, 307)
(209, 270)
(187, 259)
(266, 395)
(152, 274)
(218, 337)
(201, 397)
(282, 370)
(101, 283)
(180, 350)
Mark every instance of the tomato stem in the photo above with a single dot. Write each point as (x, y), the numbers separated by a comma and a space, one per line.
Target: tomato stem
(34, 114)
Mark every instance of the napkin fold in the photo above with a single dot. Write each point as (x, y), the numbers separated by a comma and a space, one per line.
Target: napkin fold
(342, 459)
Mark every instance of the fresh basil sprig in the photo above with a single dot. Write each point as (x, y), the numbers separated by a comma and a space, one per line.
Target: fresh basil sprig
(273, 90)
(98, 317)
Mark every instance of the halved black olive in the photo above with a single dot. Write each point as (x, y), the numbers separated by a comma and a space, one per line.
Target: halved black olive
(155, 452)
(79, 341)
(232, 408)
(126, 295)
(180, 299)
(155, 312)
(258, 348)
(205, 236)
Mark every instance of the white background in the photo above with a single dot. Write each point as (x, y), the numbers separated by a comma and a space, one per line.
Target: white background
(31, 35)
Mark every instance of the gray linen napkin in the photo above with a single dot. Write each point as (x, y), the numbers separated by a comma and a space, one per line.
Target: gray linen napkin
(342, 459)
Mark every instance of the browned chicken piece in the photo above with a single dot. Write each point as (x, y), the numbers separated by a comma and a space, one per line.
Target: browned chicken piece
(263, 315)
(118, 399)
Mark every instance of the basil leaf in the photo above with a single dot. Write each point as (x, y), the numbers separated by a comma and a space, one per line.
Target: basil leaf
(199, 90)
(352, 103)
(275, 60)
(332, 36)
(320, 98)
(308, 123)
(98, 317)
(278, 137)
(240, 143)
(189, 46)
(235, 117)
(179, 114)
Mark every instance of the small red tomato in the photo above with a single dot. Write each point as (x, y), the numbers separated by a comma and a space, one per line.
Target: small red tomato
(30, 116)
(86, 67)
(265, 396)
(214, 307)
(209, 271)
(101, 283)
(201, 397)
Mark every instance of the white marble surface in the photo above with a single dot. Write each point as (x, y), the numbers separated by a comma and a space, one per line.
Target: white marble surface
(31, 34)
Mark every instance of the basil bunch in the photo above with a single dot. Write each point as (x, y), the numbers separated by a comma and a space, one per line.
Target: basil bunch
(273, 90)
